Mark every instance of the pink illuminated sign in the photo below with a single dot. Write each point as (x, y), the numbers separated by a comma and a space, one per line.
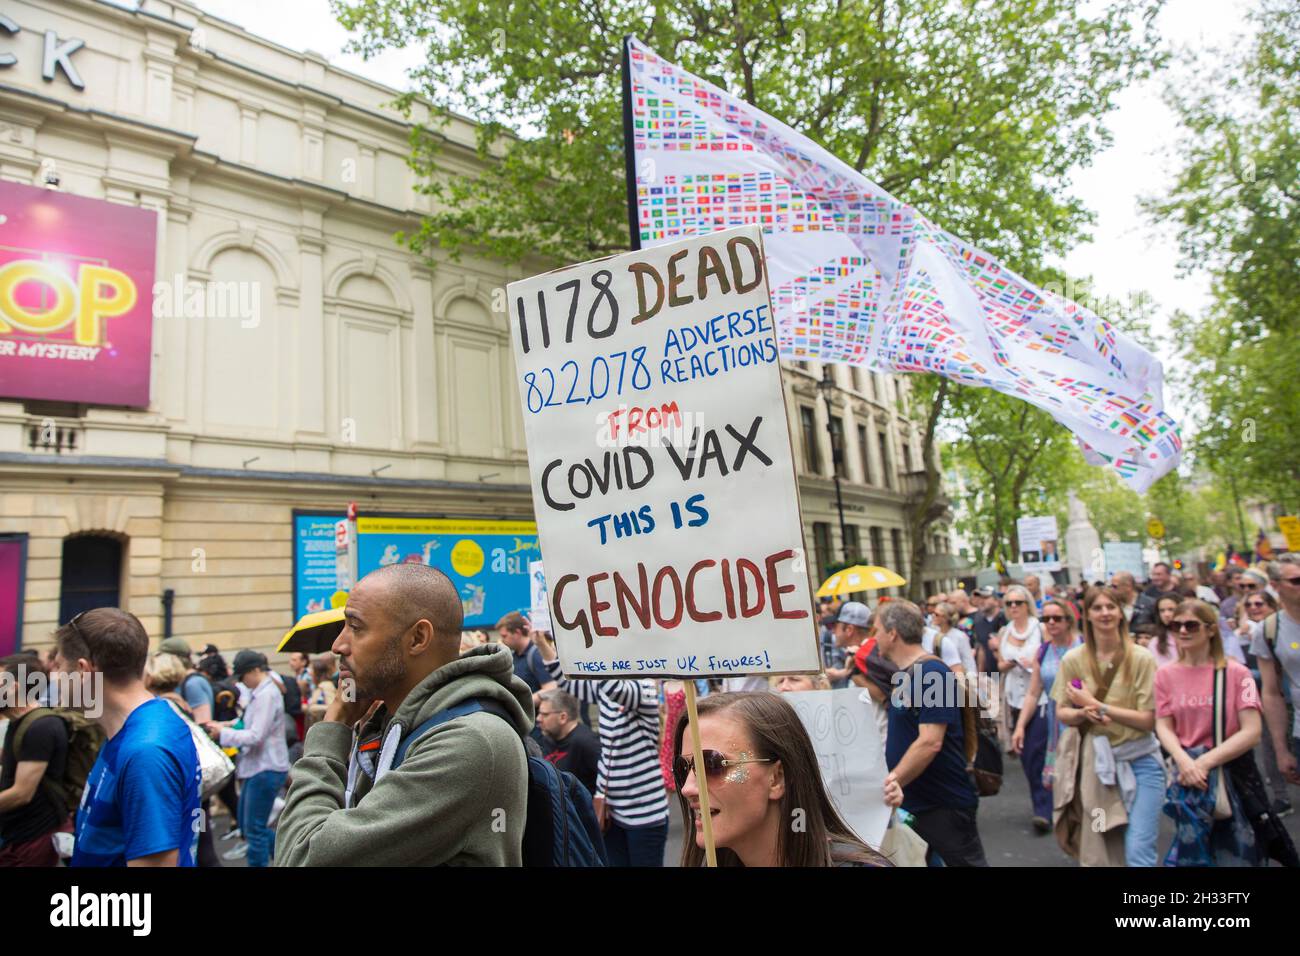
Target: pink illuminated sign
(76, 291)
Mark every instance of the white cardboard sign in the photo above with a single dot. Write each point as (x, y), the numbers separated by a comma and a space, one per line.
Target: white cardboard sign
(540, 614)
(844, 734)
(659, 452)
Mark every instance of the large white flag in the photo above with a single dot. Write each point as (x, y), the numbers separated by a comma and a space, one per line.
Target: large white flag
(859, 277)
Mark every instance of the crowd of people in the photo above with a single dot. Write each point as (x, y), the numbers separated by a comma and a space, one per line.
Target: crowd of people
(415, 742)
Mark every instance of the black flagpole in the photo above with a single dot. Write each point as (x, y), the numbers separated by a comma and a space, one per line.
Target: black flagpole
(629, 146)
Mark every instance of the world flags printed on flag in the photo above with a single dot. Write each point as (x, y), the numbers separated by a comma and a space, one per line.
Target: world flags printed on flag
(860, 277)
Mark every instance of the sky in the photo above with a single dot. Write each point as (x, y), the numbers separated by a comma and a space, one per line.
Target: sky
(1127, 254)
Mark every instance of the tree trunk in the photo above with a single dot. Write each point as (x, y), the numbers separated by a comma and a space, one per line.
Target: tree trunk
(919, 517)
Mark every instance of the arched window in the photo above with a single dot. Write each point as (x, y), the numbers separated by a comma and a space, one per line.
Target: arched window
(92, 575)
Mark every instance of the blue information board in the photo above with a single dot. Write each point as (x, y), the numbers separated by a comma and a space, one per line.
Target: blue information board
(314, 574)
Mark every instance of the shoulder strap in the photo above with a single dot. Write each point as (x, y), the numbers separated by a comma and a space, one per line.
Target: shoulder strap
(462, 709)
(30, 718)
(1270, 627)
(1220, 711)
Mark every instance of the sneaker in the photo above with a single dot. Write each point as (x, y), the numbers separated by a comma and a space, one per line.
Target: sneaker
(1042, 824)
(238, 853)
(1282, 808)
(232, 834)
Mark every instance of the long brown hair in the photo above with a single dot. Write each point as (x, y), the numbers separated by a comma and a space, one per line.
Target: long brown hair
(1162, 638)
(779, 735)
(1090, 642)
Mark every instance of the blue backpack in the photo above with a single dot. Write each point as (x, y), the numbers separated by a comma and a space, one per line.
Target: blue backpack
(561, 828)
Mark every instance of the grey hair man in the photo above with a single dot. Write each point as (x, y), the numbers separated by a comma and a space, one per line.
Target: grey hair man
(925, 745)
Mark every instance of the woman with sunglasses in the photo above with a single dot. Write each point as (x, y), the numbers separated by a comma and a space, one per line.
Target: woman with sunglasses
(1212, 829)
(1016, 647)
(762, 773)
(1108, 756)
(1037, 729)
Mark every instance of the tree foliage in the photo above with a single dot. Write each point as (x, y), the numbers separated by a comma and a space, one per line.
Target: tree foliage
(973, 111)
(1236, 205)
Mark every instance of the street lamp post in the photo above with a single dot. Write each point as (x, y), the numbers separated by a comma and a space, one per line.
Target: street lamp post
(826, 386)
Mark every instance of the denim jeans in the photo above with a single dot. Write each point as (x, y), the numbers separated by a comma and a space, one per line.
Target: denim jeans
(1143, 829)
(636, 846)
(255, 803)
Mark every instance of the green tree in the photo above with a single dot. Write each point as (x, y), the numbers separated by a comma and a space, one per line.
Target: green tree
(975, 112)
(1236, 204)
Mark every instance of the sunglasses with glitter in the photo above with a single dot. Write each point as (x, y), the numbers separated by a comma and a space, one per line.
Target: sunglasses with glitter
(714, 763)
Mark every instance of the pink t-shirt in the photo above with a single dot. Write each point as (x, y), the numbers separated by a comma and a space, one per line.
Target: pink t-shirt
(1187, 695)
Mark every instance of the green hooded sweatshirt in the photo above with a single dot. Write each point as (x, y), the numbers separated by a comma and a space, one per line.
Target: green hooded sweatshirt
(459, 797)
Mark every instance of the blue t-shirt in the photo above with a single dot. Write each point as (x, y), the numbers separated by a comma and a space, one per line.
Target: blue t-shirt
(197, 691)
(142, 795)
(944, 783)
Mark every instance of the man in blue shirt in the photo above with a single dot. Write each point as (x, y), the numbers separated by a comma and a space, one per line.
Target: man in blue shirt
(925, 748)
(141, 802)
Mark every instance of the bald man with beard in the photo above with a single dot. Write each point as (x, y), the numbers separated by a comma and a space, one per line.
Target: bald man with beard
(420, 759)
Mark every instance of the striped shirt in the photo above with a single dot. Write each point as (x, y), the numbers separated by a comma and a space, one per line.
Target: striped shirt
(628, 774)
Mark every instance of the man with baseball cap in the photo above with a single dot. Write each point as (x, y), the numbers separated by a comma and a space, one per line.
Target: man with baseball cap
(263, 753)
(871, 671)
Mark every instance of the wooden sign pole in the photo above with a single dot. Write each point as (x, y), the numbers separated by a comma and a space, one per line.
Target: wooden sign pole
(701, 778)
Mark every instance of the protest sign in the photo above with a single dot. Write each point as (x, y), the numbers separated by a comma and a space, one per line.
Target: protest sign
(1124, 556)
(540, 614)
(849, 751)
(1039, 544)
(659, 452)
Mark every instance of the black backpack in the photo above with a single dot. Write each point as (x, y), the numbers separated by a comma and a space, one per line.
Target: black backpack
(292, 696)
(226, 695)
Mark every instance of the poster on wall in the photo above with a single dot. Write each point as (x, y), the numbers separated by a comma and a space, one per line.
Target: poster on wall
(1040, 550)
(657, 432)
(315, 578)
(487, 560)
(76, 298)
(13, 564)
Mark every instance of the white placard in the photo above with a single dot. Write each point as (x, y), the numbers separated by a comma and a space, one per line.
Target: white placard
(659, 450)
(540, 614)
(1040, 546)
(844, 734)
(1124, 556)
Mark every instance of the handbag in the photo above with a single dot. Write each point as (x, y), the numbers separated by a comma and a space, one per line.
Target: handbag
(1222, 805)
(215, 768)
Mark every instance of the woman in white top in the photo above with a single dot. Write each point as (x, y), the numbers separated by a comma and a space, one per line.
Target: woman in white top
(1017, 648)
(951, 639)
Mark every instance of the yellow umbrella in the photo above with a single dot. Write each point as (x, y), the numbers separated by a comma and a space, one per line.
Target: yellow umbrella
(314, 633)
(860, 577)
